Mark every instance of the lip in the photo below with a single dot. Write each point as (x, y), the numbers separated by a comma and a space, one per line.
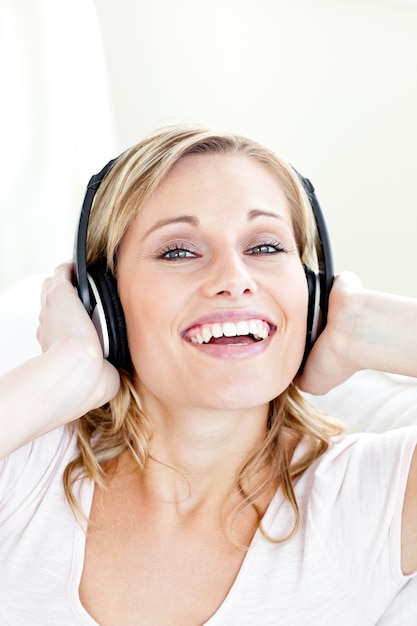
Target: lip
(234, 350)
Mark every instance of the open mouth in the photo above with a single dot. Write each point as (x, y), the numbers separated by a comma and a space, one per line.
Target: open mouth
(242, 332)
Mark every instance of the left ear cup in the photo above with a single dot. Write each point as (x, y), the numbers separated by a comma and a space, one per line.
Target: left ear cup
(108, 316)
(313, 313)
(319, 283)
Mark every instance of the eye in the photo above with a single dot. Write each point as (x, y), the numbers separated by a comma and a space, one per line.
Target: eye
(172, 252)
(272, 247)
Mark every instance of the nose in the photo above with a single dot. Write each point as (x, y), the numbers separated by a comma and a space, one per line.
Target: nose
(228, 276)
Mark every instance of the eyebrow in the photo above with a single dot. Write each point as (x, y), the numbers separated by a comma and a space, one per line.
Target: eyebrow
(181, 219)
(254, 213)
(194, 221)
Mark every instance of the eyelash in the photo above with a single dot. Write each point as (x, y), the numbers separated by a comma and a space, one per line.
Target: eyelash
(275, 245)
(178, 248)
(183, 252)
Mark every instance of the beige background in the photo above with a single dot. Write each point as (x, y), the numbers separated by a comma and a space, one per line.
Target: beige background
(329, 84)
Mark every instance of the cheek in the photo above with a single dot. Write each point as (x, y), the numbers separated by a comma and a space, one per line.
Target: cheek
(145, 344)
(291, 295)
(294, 302)
(142, 317)
(300, 302)
(148, 323)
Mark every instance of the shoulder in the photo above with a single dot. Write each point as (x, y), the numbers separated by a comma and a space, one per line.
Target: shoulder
(353, 496)
(358, 485)
(354, 452)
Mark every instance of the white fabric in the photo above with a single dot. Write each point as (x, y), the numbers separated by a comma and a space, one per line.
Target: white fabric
(372, 401)
(343, 566)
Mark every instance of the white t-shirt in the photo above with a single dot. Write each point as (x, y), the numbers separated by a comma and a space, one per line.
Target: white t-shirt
(342, 568)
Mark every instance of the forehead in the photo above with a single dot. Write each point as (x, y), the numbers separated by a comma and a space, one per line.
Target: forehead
(209, 182)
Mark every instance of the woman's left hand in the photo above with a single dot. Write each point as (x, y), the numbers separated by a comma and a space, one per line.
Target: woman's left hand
(365, 330)
(330, 362)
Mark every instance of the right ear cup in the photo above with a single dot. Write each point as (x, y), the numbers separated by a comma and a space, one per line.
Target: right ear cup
(107, 316)
(97, 287)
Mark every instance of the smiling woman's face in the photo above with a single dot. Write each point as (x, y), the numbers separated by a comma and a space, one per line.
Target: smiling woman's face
(212, 287)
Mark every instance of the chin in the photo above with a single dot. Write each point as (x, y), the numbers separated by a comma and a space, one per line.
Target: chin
(240, 399)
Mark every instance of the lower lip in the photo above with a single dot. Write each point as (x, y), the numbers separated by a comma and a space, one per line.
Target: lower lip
(232, 351)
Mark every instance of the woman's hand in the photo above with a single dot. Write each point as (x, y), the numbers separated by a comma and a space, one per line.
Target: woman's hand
(65, 327)
(365, 330)
(70, 378)
(62, 317)
(330, 362)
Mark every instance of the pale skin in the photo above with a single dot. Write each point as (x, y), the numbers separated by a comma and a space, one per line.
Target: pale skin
(214, 244)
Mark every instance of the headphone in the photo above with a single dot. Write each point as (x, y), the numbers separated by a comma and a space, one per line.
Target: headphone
(97, 288)
(319, 283)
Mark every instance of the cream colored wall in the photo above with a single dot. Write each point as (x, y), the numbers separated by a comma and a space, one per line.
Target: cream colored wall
(329, 84)
(54, 106)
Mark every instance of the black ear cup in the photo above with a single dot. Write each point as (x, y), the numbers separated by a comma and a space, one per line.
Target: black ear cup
(319, 283)
(313, 313)
(108, 316)
(97, 287)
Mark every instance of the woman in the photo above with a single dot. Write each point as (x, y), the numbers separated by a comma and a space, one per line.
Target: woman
(205, 490)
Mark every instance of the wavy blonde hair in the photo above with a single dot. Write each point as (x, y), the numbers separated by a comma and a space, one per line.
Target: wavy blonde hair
(121, 425)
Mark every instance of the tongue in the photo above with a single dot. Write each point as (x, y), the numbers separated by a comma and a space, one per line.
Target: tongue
(241, 340)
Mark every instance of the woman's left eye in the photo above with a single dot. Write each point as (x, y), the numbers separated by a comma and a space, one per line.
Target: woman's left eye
(266, 248)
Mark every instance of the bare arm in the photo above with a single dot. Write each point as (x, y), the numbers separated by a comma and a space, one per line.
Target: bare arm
(366, 330)
(68, 379)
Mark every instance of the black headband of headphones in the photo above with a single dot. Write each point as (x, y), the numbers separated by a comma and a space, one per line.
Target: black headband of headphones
(80, 247)
(97, 288)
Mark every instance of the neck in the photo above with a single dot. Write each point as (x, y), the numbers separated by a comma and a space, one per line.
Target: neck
(196, 455)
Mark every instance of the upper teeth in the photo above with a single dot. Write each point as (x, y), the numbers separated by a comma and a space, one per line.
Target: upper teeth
(202, 334)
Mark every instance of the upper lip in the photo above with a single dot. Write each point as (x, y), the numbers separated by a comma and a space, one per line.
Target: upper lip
(228, 316)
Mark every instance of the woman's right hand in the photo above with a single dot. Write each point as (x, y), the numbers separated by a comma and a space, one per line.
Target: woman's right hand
(65, 327)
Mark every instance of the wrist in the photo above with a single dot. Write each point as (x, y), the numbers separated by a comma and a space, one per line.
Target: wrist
(347, 316)
(378, 331)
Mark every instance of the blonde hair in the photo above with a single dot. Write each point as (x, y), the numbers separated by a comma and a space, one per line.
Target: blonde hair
(121, 425)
